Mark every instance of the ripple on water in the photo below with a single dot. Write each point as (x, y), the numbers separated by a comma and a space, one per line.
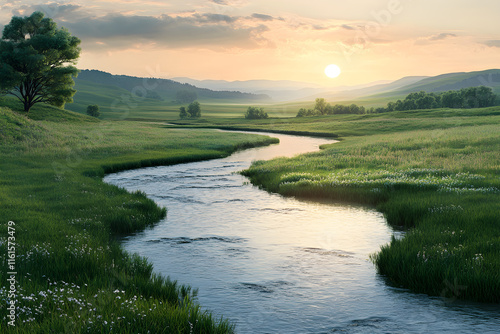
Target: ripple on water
(321, 251)
(186, 240)
(219, 186)
(281, 210)
(368, 325)
(178, 198)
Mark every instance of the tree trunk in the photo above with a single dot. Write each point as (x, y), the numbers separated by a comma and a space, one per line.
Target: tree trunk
(27, 106)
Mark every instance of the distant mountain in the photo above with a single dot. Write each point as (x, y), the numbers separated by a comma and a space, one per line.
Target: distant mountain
(350, 93)
(455, 81)
(163, 89)
(248, 86)
(278, 90)
(383, 93)
(288, 90)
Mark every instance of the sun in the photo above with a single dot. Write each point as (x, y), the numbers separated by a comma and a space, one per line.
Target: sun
(332, 71)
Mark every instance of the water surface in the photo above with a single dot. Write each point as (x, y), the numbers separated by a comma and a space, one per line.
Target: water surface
(279, 265)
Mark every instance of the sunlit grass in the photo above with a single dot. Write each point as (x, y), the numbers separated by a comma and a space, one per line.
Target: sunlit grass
(73, 277)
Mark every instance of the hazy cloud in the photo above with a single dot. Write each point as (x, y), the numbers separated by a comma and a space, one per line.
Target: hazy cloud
(52, 10)
(215, 18)
(434, 38)
(319, 27)
(197, 30)
(493, 43)
(232, 3)
(220, 2)
(441, 36)
(262, 17)
(348, 27)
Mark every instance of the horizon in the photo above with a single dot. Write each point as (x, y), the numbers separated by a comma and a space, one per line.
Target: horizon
(242, 40)
(354, 86)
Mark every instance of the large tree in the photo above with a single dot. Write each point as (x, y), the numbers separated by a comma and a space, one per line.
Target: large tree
(194, 109)
(35, 61)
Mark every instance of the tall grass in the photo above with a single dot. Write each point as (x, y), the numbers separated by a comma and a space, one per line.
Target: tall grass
(440, 182)
(73, 277)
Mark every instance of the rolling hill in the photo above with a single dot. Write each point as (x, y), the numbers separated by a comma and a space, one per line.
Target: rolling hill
(105, 89)
(455, 81)
(380, 95)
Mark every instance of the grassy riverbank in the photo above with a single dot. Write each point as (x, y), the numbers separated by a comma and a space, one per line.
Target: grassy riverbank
(436, 173)
(72, 277)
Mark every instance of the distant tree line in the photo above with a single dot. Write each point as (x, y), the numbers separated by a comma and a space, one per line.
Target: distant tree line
(473, 97)
(323, 108)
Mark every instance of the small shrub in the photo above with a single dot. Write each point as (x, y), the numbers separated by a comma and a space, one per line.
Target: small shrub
(93, 110)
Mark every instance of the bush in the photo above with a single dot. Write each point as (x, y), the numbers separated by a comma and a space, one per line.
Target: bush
(183, 113)
(256, 113)
(93, 110)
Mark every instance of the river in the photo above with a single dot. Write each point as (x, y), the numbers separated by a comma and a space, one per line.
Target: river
(271, 264)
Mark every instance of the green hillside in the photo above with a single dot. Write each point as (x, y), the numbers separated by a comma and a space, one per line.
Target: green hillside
(454, 81)
(164, 89)
(109, 98)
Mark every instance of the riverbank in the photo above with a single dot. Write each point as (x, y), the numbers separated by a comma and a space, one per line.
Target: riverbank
(437, 176)
(71, 275)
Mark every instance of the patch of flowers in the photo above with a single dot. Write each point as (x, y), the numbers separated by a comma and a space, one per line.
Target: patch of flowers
(443, 209)
(79, 246)
(71, 301)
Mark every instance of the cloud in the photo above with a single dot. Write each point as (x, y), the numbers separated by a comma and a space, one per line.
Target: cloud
(348, 27)
(215, 18)
(319, 27)
(232, 3)
(494, 43)
(441, 36)
(189, 29)
(52, 10)
(434, 38)
(213, 31)
(262, 17)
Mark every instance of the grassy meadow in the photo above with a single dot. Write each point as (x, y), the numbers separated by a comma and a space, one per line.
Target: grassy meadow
(72, 274)
(434, 173)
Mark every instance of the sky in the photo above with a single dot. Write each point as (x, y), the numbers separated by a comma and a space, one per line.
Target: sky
(370, 40)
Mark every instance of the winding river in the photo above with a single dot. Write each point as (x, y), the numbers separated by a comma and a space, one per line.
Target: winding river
(271, 264)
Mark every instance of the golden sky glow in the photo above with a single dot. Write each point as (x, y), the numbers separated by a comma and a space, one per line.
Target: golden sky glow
(369, 40)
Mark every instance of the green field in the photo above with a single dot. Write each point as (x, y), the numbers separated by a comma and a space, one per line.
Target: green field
(73, 277)
(433, 173)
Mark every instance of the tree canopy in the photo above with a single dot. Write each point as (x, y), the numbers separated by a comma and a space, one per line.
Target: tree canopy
(35, 61)
(183, 113)
(194, 109)
(93, 110)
